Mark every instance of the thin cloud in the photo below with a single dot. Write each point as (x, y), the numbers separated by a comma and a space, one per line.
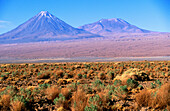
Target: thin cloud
(4, 24)
(2, 21)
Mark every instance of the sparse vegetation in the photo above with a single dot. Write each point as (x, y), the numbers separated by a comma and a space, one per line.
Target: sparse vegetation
(85, 86)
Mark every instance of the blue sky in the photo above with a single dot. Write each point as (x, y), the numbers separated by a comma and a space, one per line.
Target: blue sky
(147, 14)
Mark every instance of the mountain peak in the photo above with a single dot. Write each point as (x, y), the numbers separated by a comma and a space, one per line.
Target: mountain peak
(45, 13)
(110, 26)
(113, 20)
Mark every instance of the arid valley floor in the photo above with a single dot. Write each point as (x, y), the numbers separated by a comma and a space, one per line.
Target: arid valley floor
(128, 45)
(85, 86)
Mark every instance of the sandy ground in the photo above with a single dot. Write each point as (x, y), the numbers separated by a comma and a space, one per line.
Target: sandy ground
(108, 47)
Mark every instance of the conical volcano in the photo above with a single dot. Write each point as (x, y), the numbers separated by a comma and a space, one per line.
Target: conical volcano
(43, 27)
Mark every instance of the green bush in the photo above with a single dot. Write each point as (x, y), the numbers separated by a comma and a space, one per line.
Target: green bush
(117, 82)
(59, 99)
(44, 86)
(79, 76)
(85, 76)
(110, 75)
(120, 92)
(90, 108)
(94, 103)
(97, 83)
(132, 83)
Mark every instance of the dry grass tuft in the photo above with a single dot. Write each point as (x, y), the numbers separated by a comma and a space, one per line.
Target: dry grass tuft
(101, 75)
(143, 98)
(52, 93)
(79, 100)
(5, 101)
(45, 75)
(66, 92)
(104, 98)
(157, 99)
(59, 74)
(17, 106)
(162, 98)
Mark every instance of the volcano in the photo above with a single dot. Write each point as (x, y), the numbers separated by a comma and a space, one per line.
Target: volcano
(44, 27)
(111, 26)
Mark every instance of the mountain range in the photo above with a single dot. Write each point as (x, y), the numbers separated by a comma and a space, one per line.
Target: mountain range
(46, 27)
(107, 38)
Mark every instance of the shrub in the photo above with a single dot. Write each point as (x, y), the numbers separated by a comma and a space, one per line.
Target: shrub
(106, 98)
(91, 108)
(79, 76)
(110, 75)
(44, 86)
(5, 102)
(161, 99)
(153, 85)
(120, 92)
(117, 82)
(66, 92)
(157, 84)
(79, 100)
(73, 86)
(143, 98)
(158, 98)
(52, 93)
(60, 74)
(25, 96)
(85, 76)
(94, 103)
(132, 83)
(17, 106)
(101, 75)
(60, 101)
(44, 75)
(97, 83)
